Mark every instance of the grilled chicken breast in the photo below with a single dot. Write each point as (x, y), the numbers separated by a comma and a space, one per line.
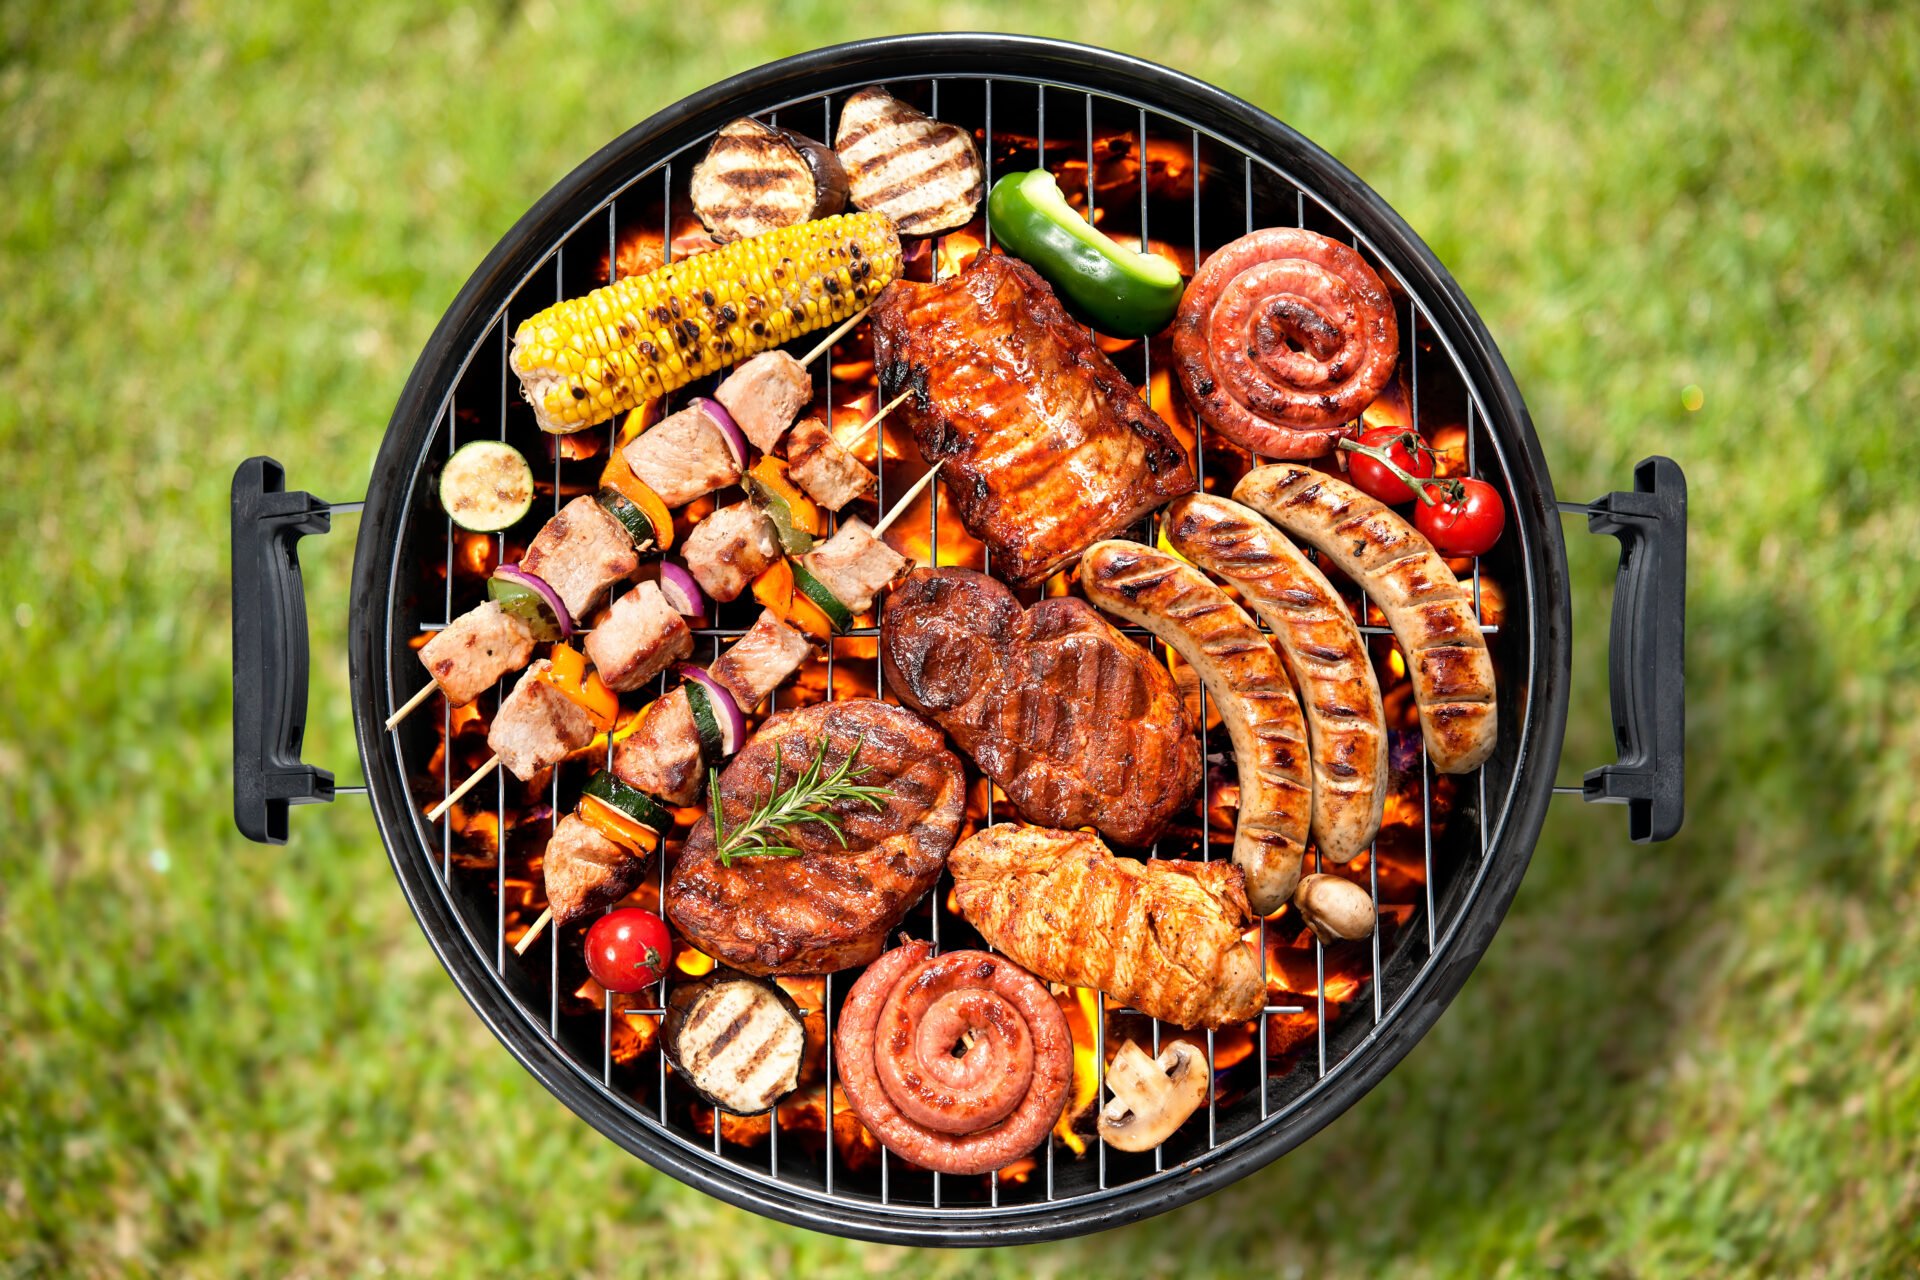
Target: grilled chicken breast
(924, 175)
(1047, 447)
(1076, 722)
(1162, 937)
(756, 179)
(832, 906)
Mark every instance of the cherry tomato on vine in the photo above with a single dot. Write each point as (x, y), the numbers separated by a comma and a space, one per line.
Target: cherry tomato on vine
(1378, 481)
(628, 949)
(1465, 517)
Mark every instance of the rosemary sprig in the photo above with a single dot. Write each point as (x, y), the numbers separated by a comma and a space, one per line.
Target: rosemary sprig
(809, 799)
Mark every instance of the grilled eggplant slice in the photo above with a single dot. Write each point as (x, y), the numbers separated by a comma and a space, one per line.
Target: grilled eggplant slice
(923, 174)
(738, 1040)
(756, 179)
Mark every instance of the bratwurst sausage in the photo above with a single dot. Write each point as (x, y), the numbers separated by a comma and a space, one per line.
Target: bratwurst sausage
(1323, 649)
(1176, 602)
(1431, 614)
(969, 1114)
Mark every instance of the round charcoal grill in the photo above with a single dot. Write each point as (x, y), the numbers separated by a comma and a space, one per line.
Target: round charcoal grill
(1159, 157)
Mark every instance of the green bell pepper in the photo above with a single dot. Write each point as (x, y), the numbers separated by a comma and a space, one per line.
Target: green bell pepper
(1115, 289)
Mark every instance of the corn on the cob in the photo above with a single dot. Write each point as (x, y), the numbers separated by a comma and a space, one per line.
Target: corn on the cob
(583, 360)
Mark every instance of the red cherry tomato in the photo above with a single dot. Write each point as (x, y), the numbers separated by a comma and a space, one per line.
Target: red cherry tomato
(1465, 517)
(1371, 478)
(628, 949)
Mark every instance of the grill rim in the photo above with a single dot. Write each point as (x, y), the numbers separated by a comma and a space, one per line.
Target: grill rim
(465, 325)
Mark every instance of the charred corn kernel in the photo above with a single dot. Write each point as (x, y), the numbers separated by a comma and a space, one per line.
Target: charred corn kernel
(584, 360)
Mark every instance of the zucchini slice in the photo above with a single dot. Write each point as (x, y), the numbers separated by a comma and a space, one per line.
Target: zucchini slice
(705, 722)
(815, 590)
(636, 804)
(635, 521)
(486, 486)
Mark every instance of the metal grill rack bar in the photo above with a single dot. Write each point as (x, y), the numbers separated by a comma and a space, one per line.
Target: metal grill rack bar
(1395, 975)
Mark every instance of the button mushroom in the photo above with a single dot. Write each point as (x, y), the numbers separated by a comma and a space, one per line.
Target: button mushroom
(1334, 908)
(1152, 1096)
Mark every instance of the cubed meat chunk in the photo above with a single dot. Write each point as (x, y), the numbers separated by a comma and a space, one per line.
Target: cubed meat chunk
(585, 871)
(764, 394)
(476, 649)
(759, 660)
(831, 476)
(662, 755)
(683, 456)
(854, 565)
(640, 635)
(537, 726)
(581, 553)
(730, 548)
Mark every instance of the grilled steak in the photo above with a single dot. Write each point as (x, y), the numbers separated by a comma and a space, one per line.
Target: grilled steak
(1048, 449)
(924, 175)
(1077, 723)
(831, 907)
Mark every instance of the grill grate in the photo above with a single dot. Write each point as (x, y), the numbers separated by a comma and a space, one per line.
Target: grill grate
(480, 891)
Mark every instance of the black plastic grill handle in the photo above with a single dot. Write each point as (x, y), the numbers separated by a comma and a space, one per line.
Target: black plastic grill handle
(270, 651)
(1646, 656)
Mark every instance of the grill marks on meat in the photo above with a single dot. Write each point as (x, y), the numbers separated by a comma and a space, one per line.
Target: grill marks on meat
(1047, 447)
(1324, 653)
(683, 456)
(831, 907)
(830, 475)
(586, 872)
(581, 553)
(764, 394)
(759, 660)
(662, 755)
(730, 548)
(1244, 680)
(1431, 614)
(925, 175)
(476, 649)
(640, 635)
(1163, 936)
(1078, 724)
(537, 726)
(855, 565)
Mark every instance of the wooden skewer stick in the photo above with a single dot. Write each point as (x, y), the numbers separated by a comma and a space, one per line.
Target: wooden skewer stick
(534, 930)
(874, 421)
(493, 762)
(906, 499)
(826, 343)
(412, 705)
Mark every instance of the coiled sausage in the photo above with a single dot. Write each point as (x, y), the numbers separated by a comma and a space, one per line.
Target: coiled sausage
(969, 1114)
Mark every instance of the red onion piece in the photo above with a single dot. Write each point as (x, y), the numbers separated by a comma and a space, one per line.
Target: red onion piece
(681, 591)
(733, 721)
(736, 439)
(514, 573)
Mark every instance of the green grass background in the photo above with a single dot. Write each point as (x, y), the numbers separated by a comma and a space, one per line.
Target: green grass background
(227, 231)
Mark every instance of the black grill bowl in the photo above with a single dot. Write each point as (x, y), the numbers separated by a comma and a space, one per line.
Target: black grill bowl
(1431, 958)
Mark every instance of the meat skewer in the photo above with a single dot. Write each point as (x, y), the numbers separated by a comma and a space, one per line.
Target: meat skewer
(544, 721)
(738, 681)
(677, 460)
